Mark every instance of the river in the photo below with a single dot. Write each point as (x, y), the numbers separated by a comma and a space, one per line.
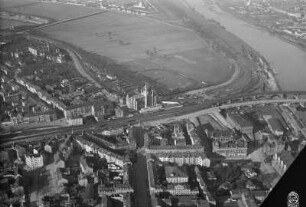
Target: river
(288, 60)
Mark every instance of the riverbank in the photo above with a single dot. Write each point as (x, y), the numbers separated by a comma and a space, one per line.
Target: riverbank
(298, 42)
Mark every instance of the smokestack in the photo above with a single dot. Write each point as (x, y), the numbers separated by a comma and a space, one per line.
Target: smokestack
(146, 95)
(152, 98)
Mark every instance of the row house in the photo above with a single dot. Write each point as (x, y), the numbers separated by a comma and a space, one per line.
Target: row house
(42, 94)
(234, 149)
(71, 113)
(175, 148)
(103, 153)
(79, 110)
(194, 137)
(154, 188)
(203, 187)
(181, 189)
(116, 189)
(175, 174)
(223, 135)
(185, 158)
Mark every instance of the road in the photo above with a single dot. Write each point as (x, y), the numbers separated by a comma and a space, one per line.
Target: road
(80, 68)
(140, 182)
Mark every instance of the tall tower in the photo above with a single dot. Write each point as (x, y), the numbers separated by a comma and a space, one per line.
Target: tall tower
(135, 104)
(152, 97)
(145, 94)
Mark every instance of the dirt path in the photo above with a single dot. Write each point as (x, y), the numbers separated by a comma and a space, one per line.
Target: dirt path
(74, 56)
(80, 68)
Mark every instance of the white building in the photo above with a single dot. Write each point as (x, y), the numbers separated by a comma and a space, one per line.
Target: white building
(175, 175)
(48, 148)
(34, 160)
(33, 51)
(281, 161)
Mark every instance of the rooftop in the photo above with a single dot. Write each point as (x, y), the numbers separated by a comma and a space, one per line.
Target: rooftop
(223, 133)
(103, 149)
(182, 154)
(32, 152)
(275, 124)
(232, 143)
(240, 120)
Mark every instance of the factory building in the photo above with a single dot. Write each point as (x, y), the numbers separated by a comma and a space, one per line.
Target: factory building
(146, 98)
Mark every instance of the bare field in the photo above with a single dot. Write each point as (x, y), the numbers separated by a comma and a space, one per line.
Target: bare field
(125, 37)
(47, 10)
(169, 78)
(188, 68)
(145, 44)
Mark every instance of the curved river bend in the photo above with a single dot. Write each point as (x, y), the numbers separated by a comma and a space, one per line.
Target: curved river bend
(288, 60)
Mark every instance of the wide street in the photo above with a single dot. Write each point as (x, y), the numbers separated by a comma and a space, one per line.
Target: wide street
(140, 181)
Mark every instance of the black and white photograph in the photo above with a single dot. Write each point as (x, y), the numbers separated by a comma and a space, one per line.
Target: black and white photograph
(152, 103)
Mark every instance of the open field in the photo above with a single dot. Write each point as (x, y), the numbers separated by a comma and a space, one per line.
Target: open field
(199, 66)
(47, 10)
(147, 45)
(177, 48)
